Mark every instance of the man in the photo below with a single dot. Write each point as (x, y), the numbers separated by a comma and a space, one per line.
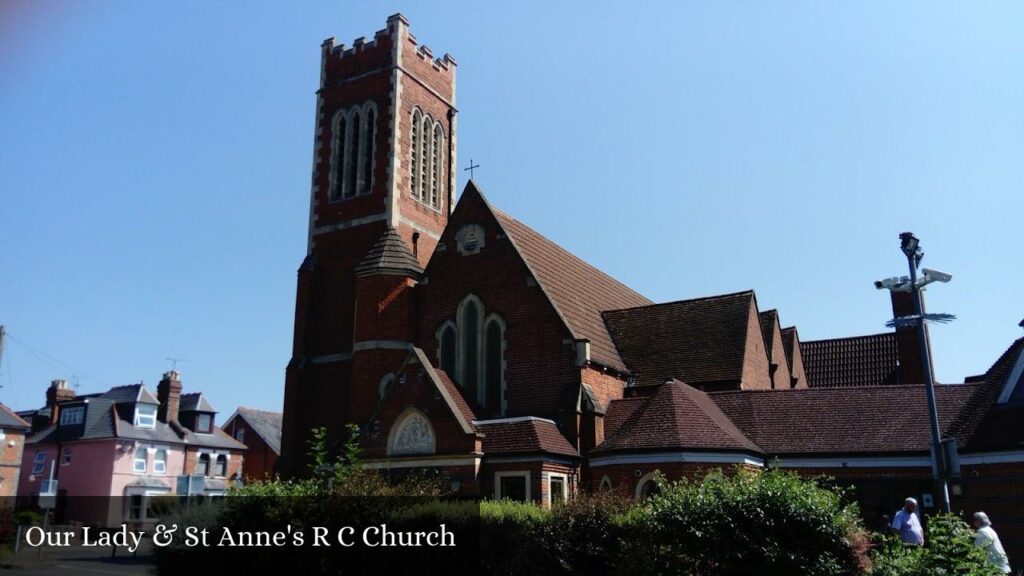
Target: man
(988, 540)
(908, 524)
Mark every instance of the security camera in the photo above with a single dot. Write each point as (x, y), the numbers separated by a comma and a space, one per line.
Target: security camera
(895, 283)
(936, 276)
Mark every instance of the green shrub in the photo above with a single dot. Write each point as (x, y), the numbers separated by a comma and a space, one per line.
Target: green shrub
(949, 550)
(513, 539)
(770, 522)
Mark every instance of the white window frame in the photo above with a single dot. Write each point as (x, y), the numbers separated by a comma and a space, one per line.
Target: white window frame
(525, 474)
(605, 485)
(227, 465)
(240, 433)
(209, 429)
(136, 460)
(38, 463)
(145, 420)
(547, 477)
(649, 477)
(66, 418)
(160, 466)
(65, 456)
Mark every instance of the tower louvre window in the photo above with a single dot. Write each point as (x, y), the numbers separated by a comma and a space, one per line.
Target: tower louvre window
(352, 162)
(435, 163)
(353, 139)
(425, 159)
(414, 166)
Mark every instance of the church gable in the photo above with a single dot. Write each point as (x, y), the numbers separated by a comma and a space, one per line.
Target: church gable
(779, 364)
(421, 413)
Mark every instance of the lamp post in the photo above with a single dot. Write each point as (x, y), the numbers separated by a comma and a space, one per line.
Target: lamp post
(911, 247)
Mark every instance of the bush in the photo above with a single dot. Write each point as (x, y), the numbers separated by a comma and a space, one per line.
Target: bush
(949, 550)
(770, 522)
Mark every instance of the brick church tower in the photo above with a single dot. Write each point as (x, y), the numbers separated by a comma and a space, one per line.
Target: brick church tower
(382, 189)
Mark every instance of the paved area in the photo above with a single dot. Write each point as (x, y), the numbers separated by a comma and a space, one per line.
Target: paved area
(82, 562)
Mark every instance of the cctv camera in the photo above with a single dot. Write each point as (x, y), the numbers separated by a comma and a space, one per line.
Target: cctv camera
(936, 276)
(895, 283)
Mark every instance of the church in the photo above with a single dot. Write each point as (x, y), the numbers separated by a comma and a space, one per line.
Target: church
(459, 339)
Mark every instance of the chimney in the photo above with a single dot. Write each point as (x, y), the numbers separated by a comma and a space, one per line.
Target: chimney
(57, 392)
(168, 392)
(911, 369)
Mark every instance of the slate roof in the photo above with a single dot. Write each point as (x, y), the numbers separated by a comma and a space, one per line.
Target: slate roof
(675, 417)
(10, 420)
(856, 361)
(524, 436)
(266, 424)
(696, 341)
(390, 255)
(110, 415)
(856, 419)
(578, 291)
(195, 402)
(991, 425)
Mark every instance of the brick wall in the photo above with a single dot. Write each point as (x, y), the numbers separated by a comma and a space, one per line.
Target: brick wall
(12, 446)
(755, 358)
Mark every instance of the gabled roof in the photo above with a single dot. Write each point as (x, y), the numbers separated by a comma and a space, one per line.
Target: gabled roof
(449, 392)
(769, 320)
(855, 419)
(195, 402)
(676, 417)
(789, 341)
(527, 435)
(995, 418)
(9, 420)
(576, 290)
(127, 393)
(856, 361)
(389, 255)
(266, 425)
(696, 341)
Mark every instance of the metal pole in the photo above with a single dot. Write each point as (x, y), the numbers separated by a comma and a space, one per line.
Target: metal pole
(929, 386)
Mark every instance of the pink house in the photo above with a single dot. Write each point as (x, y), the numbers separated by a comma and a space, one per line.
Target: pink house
(115, 454)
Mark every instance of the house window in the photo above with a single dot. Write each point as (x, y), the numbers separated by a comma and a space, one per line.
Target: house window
(557, 488)
(145, 415)
(203, 465)
(71, 416)
(38, 463)
(221, 469)
(446, 349)
(141, 462)
(240, 435)
(65, 457)
(204, 423)
(136, 506)
(606, 484)
(512, 486)
(160, 462)
(494, 366)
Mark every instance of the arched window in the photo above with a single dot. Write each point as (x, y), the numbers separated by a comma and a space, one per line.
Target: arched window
(647, 486)
(385, 384)
(606, 484)
(339, 133)
(446, 342)
(494, 366)
(437, 157)
(221, 469)
(469, 334)
(426, 155)
(352, 162)
(411, 434)
(414, 153)
(369, 137)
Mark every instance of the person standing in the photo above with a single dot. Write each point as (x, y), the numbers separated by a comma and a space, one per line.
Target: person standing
(987, 539)
(908, 525)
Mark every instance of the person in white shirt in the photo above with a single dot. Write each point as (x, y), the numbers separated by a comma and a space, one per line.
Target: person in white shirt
(908, 525)
(987, 539)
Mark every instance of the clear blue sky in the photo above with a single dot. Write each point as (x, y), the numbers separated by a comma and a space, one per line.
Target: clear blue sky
(155, 158)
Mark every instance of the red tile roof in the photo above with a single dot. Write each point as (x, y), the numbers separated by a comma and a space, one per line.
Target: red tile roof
(578, 291)
(524, 436)
(989, 424)
(697, 341)
(861, 419)
(676, 417)
(856, 361)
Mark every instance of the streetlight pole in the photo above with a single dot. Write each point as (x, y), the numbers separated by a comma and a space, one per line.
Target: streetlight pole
(911, 248)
